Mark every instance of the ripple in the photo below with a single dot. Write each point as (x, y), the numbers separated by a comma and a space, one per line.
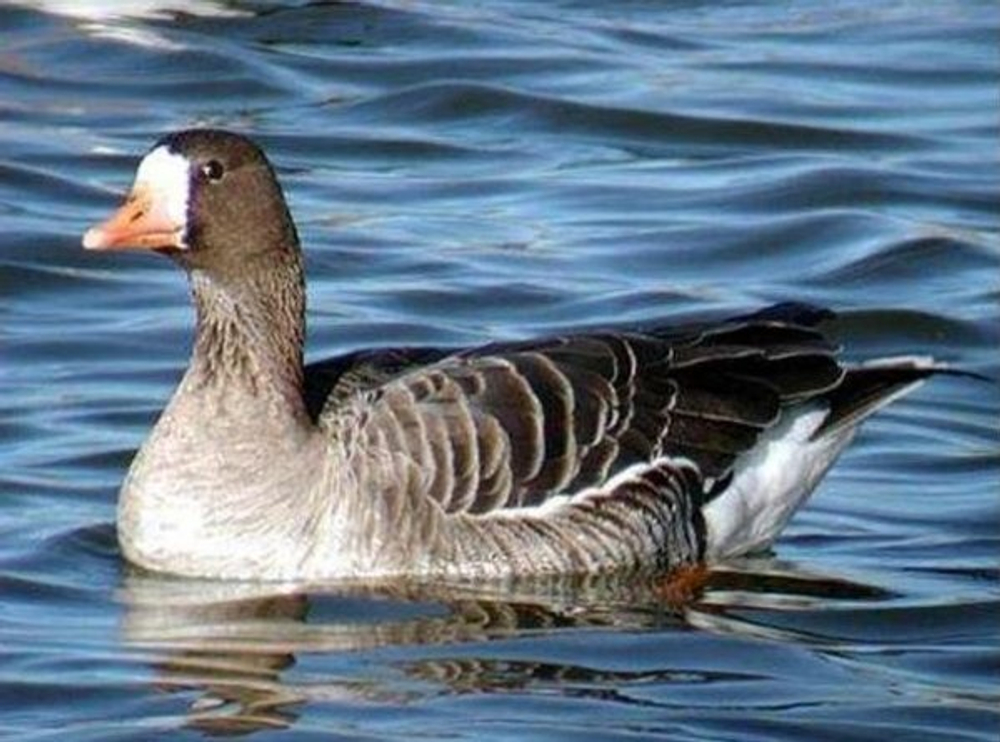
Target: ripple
(911, 259)
(466, 102)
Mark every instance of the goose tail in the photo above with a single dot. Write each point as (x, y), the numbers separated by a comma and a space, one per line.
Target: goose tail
(773, 480)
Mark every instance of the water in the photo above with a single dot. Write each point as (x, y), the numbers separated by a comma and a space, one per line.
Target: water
(465, 172)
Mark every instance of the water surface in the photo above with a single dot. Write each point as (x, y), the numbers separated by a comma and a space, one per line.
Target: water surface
(467, 172)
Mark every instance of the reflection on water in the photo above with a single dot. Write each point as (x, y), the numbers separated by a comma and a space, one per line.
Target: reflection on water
(234, 644)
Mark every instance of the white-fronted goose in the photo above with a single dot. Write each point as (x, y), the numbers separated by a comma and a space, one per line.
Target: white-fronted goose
(586, 452)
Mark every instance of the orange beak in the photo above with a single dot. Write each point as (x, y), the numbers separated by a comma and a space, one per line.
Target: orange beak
(141, 222)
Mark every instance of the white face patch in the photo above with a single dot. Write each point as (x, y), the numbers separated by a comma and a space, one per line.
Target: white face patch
(167, 175)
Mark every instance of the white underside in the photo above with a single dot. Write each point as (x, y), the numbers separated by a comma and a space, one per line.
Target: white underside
(771, 483)
(776, 478)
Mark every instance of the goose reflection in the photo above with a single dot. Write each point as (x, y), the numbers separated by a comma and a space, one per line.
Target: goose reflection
(236, 644)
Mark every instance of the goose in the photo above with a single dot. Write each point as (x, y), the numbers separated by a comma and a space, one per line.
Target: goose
(669, 447)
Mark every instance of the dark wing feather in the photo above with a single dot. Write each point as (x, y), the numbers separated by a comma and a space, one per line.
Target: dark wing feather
(331, 382)
(511, 425)
(867, 388)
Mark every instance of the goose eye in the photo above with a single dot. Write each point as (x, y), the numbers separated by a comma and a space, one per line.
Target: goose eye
(213, 170)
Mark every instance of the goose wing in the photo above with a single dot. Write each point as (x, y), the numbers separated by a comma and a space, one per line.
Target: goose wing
(512, 425)
(330, 383)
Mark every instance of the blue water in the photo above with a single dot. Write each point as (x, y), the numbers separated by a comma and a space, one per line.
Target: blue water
(466, 172)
